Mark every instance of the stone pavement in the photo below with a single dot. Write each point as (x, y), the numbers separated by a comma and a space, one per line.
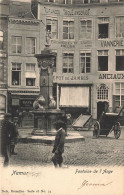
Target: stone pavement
(104, 151)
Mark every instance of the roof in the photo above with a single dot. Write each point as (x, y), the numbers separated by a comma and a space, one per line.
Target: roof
(21, 9)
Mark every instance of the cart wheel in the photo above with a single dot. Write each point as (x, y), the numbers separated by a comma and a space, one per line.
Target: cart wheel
(96, 131)
(117, 130)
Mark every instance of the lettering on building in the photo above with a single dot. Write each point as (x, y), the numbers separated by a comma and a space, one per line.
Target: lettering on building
(52, 11)
(67, 45)
(73, 12)
(70, 78)
(114, 43)
(111, 76)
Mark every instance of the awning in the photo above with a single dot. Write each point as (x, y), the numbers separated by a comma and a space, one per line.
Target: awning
(30, 75)
(74, 96)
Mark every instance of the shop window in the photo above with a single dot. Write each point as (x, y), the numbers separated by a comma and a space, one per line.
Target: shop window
(16, 44)
(1, 72)
(30, 45)
(119, 94)
(120, 60)
(120, 26)
(103, 60)
(85, 62)
(16, 74)
(102, 92)
(68, 29)
(85, 29)
(52, 27)
(68, 61)
(30, 81)
(1, 40)
(103, 28)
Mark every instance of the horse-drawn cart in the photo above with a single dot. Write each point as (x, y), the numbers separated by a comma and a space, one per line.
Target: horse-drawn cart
(107, 123)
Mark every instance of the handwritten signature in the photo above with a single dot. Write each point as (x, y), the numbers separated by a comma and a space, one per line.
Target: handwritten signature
(87, 183)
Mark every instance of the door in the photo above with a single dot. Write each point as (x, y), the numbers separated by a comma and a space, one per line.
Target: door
(101, 106)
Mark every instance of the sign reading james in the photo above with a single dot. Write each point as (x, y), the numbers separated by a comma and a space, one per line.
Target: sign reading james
(111, 76)
(70, 78)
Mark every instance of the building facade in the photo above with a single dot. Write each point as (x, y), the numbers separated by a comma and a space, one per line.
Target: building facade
(88, 37)
(3, 55)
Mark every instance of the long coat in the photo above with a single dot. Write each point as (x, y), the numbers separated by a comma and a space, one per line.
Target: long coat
(59, 141)
(8, 132)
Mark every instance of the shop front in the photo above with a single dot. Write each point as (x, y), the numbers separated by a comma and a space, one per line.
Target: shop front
(75, 99)
(21, 103)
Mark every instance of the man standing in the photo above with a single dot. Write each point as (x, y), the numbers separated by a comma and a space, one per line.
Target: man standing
(14, 135)
(58, 148)
(5, 138)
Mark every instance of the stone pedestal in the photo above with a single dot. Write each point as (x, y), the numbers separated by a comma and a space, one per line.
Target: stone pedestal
(44, 121)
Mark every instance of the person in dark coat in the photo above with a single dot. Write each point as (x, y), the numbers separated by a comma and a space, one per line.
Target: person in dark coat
(6, 126)
(13, 136)
(58, 148)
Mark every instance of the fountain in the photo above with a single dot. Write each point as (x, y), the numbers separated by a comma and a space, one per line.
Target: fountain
(45, 112)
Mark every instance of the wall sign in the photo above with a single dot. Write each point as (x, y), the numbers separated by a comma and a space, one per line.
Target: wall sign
(67, 12)
(72, 12)
(111, 76)
(70, 78)
(114, 43)
(26, 102)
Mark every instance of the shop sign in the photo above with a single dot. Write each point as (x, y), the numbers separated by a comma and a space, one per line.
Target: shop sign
(15, 102)
(111, 76)
(26, 103)
(70, 78)
(114, 43)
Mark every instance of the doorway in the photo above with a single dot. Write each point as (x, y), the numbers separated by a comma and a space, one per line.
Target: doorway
(101, 106)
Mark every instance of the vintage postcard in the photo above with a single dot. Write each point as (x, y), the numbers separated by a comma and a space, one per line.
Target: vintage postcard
(62, 97)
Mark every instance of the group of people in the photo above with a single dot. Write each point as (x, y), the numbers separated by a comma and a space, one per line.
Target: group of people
(9, 135)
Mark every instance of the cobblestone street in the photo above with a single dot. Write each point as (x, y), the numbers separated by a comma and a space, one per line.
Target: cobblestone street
(105, 151)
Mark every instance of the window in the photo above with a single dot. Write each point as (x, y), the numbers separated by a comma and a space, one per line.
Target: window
(103, 27)
(68, 60)
(68, 29)
(52, 27)
(1, 72)
(30, 45)
(16, 44)
(1, 40)
(30, 67)
(120, 60)
(16, 74)
(120, 26)
(85, 29)
(30, 74)
(85, 62)
(30, 81)
(119, 95)
(103, 60)
(102, 92)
